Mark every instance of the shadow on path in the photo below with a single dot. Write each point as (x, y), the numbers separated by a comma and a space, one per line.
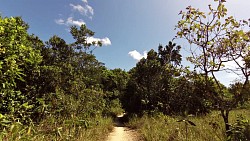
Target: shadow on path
(122, 133)
(120, 120)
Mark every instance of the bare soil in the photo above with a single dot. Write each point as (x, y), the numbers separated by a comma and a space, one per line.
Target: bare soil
(122, 133)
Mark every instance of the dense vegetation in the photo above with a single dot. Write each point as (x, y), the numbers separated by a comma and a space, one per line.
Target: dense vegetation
(160, 127)
(54, 90)
(54, 82)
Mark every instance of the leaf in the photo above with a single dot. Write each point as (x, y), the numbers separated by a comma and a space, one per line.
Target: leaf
(245, 22)
(29, 130)
(58, 131)
(179, 33)
(5, 121)
(1, 116)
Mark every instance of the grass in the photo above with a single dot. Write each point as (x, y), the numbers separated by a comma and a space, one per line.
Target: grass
(53, 129)
(153, 128)
(60, 128)
(161, 127)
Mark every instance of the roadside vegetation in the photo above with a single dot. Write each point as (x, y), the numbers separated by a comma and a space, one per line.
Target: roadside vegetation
(161, 91)
(208, 127)
(54, 90)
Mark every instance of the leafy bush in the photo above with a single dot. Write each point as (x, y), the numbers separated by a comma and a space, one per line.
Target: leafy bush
(240, 130)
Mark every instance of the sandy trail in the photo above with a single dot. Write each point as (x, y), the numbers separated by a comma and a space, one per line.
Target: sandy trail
(121, 133)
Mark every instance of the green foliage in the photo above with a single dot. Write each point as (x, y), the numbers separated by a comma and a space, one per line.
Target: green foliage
(157, 84)
(19, 61)
(240, 130)
(54, 129)
(72, 78)
(144, 88)
(81, 35)
(208, 127)
(54, 91)
(189, 95)
(170, 54)
(114, 83)
(218, 39)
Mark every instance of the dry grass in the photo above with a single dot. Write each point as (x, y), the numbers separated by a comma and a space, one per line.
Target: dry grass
(161, 127)
(51, 130)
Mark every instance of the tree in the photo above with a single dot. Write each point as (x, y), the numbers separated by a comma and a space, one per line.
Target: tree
(71, 74)
(114, 83)
(170, 54)
(81, 36)
(218, 39)
(18, 63)
(147, 78)
(149, 88)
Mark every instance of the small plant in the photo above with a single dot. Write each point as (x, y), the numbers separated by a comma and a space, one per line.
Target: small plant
(187, 122)
(240, 130)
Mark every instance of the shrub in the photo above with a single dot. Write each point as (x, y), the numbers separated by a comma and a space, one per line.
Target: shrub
(240, 130)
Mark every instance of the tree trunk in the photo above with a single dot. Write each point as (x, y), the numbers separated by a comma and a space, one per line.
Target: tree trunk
(225, 115)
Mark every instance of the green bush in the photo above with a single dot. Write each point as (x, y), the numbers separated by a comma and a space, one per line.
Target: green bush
(240, 130)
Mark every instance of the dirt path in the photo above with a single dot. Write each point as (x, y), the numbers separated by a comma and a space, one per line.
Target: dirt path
(121, 133)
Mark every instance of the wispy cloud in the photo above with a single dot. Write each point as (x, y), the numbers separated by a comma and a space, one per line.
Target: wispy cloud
(137, 56)
(84, 9)
(79, 8)
(59, 21)
(85, 1)
(105, 41)
(70, 21)
(90, 9)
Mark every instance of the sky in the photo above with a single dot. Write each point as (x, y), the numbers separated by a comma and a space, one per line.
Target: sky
(127, 28)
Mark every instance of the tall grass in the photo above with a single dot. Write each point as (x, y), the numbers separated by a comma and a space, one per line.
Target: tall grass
(161, 127)
(53, 129)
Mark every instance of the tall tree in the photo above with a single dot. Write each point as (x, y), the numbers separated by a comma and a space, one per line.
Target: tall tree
(170, 54)
(81, 36)
(151, 79)
(218, 39)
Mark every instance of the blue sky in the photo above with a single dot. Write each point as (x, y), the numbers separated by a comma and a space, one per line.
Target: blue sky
(124, 26)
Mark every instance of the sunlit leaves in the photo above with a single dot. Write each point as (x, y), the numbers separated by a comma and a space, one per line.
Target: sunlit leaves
(81, 36)
(16, 56)
(214, 34)
(217, 39)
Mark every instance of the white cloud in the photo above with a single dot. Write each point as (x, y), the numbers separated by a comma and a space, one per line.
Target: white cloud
(105, 41)
(79, 8)
(59, 21)
(137, 56)
(90, 9)
(85, 1)
(86, 10)
(83, 9)
(70, 21)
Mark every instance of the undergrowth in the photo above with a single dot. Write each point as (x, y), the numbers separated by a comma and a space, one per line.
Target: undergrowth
(53, 129)
(160, 127)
